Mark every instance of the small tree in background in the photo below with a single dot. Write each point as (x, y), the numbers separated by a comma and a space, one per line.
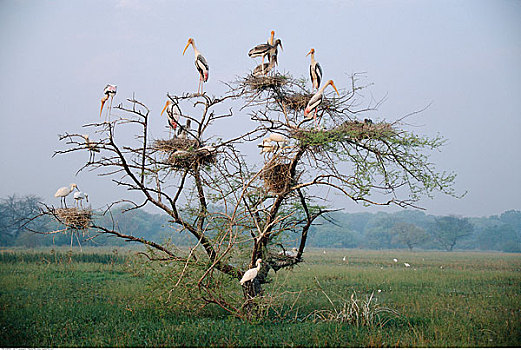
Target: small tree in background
(238, 211)
(449, 229)
(408, 234)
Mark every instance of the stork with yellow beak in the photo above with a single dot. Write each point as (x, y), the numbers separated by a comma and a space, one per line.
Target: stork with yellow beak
(315, 71)
(317, 99)
(200, 63)
(109, 91)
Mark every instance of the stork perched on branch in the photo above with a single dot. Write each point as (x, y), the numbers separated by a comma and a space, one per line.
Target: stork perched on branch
(317, 99)
(109, 91)
(174, 113)
(200, 63)
(251, 273)
(315, 71)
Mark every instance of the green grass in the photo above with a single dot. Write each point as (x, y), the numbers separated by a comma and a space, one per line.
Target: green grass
(95, 299)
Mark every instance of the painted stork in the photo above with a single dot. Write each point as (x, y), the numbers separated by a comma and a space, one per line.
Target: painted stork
(262, 50)
(201, 65)
(315, 71)
(64, 192)
(109, 91)
(174, 113)
(317, 99)
(263, 69)
(251, 273)
(270, 49)
(184, 130)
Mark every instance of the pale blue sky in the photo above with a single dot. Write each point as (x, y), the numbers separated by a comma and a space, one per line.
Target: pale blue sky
(464, 57)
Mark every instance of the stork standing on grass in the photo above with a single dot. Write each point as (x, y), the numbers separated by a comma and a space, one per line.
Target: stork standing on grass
(315, 71)
(109, 91)
(200, 63)
(174, 113)
(251, 273)
(64, 192)
(317, 99)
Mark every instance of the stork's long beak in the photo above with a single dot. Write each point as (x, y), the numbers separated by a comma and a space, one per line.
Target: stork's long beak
(166, 105)
(103, 100)
(187, 44)
(334, 87)
(310, 52)
(281, 46)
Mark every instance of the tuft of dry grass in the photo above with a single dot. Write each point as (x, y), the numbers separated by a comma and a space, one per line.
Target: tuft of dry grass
(356, 312)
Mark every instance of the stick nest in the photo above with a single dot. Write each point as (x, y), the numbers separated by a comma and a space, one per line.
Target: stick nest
(265, 82)
(183, 154)
(349, 130)
(74, 218)
(296, 101)
(175, 144)
(276, 176)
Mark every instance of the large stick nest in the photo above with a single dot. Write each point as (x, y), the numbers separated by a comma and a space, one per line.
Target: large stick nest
(74, 218)
(265, 82)
(276, 176)
(349, 130)
(175, 144)
(296, 101)
(183, 154)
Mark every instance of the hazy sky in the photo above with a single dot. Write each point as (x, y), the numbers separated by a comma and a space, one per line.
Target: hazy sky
(462, 57)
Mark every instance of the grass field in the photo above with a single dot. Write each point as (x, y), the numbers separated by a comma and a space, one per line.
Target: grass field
(95, 299)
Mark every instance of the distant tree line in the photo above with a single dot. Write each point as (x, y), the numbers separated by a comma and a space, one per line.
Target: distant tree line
(407, 229)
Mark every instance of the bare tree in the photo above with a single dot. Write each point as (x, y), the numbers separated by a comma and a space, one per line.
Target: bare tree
(237, 211)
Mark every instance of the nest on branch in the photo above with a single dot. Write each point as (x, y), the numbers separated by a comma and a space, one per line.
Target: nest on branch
(276, 176)
(278, 261)
(296, 101)
(74, 218)
(361, 131)
(265, 82)
(175, 144)
(349, 130)
(183, 154)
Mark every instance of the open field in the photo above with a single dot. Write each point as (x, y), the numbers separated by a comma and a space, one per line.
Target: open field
(95, 299)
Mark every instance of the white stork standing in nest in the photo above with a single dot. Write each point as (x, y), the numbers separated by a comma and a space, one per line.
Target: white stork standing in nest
(200, 63)
(64, 192)
(79, 197)
(174, 113)
(317, 99)
(315, 71)
(109, 91)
